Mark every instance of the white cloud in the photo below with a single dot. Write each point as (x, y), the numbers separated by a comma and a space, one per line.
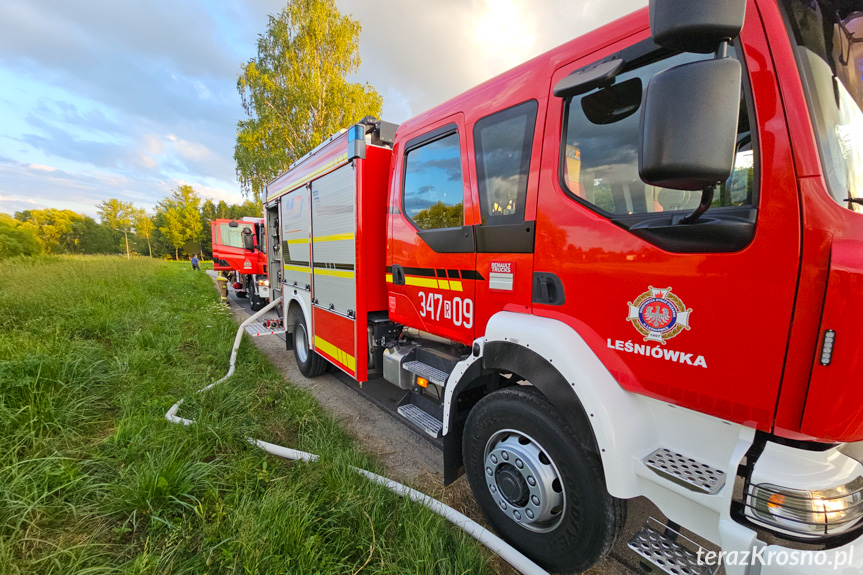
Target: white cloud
(127, 99)
(428, 52)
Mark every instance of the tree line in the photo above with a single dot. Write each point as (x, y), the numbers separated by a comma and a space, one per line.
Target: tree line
(179, 226)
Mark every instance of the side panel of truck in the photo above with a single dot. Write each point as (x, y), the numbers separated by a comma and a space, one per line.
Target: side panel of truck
(333, 267)
(334, 241)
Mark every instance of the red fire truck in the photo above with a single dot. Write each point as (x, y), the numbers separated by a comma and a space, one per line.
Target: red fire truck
(625, 268)
(239, 253)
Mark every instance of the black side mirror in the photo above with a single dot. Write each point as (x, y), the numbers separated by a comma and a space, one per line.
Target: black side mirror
(695, 25)
(614, 103)
(690, 112)
(248, 240)
(689, 125)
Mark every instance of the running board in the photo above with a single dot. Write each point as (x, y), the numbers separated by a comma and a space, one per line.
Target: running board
(433, 374)
(685, 471)
(259, 329)
(425, 421)
(664, 552)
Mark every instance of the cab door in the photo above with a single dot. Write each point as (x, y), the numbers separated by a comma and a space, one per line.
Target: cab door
(432, 275)
(694, 314)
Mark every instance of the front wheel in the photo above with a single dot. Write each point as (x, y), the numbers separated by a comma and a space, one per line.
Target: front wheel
(537, 484)
(256, 302)
(309, 362)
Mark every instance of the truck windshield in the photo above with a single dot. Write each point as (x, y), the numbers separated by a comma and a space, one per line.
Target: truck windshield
(829, 46)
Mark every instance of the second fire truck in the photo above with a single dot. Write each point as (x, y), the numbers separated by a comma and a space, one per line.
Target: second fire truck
(239, 253)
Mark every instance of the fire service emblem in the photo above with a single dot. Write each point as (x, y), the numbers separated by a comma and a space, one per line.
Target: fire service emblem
(658, 314)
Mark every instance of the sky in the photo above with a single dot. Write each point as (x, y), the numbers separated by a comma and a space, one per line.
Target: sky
(103, 99)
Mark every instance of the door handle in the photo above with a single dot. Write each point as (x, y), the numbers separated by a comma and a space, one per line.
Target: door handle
(547, 289)
(398, 275)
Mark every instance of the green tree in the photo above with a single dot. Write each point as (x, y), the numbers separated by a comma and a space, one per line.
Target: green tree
(117, 215)
(249, 208)
(89, 237)
(51, 227)
(294, 91)
(182, 220)
(144, 226)
(16, 240)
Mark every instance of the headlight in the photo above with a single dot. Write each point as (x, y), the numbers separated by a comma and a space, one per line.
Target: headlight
(264, 283)
(811, 514)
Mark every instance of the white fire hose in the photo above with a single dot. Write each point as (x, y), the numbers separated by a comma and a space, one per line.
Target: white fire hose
(497, 545)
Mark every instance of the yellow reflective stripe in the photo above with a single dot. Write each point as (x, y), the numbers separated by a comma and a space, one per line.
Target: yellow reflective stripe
(334, 273)
(339, 355)
(313, 175)
(421, 282)
(299, 241)
(449, 285)
(294, 268)
(334, 238)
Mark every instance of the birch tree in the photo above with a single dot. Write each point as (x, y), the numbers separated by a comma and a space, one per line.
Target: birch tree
(181, 216)
(295, 91)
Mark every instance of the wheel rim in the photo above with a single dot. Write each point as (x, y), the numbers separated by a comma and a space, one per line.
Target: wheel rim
(523, 481)
(300, 343)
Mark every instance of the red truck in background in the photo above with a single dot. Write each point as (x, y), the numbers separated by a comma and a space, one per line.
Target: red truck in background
(240, 254)
(626, 268)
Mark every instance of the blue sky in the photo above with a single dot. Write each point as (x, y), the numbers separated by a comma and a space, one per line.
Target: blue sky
(103, 99)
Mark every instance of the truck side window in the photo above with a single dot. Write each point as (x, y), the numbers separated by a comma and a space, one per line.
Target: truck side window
(433, 190)
(503, 142)
(232, 237)
(599, 155)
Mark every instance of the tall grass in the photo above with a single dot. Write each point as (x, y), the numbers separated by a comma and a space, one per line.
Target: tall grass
(93, 351)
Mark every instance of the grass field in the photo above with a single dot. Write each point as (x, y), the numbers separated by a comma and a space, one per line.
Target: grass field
(93, 351)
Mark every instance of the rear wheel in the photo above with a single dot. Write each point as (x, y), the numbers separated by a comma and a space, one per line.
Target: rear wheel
(309, 362)
(538, 485)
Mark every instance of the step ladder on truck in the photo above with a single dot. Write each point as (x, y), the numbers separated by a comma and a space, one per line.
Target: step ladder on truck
(625, 268)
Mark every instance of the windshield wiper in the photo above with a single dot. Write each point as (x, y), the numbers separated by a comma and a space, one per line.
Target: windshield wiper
(855, 200)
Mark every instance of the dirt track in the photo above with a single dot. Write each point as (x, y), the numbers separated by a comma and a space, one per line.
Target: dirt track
(409, 458)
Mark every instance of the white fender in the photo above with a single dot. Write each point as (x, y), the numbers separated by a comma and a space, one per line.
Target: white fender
(628, 426)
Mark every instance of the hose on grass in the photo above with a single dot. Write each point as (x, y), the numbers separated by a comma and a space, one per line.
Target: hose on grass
(497, 545)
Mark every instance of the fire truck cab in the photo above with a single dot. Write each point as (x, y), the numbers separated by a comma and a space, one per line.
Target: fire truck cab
(240, 253)
(625, 268)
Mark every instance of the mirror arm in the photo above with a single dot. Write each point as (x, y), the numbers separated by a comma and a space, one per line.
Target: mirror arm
(707, 192)
(706, 200)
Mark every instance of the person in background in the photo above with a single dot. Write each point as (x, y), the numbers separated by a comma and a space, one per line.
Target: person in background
(195, 263)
